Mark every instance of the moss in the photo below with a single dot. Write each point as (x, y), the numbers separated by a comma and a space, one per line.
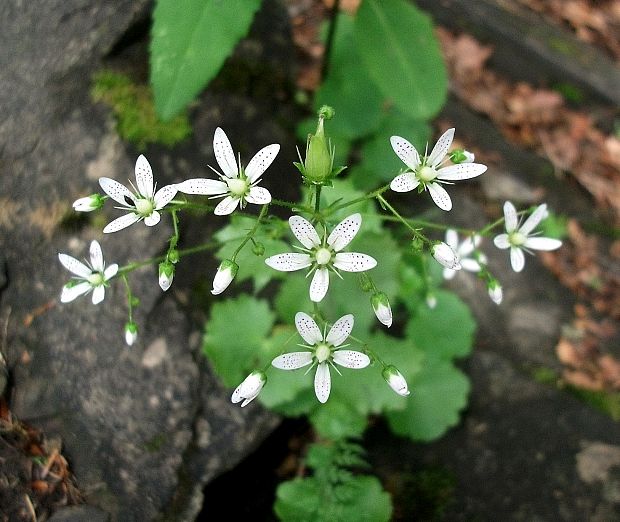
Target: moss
(155, 444)
(136, 120)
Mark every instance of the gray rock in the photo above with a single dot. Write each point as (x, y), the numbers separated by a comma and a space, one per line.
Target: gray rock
(80, 514)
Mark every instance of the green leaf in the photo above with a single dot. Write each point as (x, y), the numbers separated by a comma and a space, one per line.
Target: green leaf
(337, 420)
(361, 499)
(236, 337)
(190, 41)
(438, 393)
(397, 45)
(445, 331)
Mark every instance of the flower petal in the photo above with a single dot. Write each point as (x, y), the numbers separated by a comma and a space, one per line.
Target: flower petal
(258, 196)
(448, 273)
(226, 206)
(440, 196)
(468, 245)
(303, 230)
(288, 262)
(96, 256)
(354, 262)
(308, 329)
(510, 217)
(110, 272)
(322, 382)
(351, 359)
(542, 243)
(471, 265)
(441, 148)
(261, 161)
(501, 241)
(153, 219)
(535, 217)
(344, 232)
(461, 171)
(202, 186)
(98, 294)
(452, 239)
(164, 196)
(224, 154)
(340, 330)
(119, 193)
(69, 293)
(121, 222)
(517, 259)
(406, 152)
(292, 361)
(405, 182)
(74, 266)
(319, 285)
(144, 177)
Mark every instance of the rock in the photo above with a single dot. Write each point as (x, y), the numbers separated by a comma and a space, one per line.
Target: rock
(80, 514)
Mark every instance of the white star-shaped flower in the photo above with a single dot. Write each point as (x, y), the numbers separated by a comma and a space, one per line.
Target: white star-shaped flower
(519, 239)
(325, 350)
(249, 389)
(324, 254)
(427, 173)
(89, 276)
(463, 249)
(143, 203)
(238, 185)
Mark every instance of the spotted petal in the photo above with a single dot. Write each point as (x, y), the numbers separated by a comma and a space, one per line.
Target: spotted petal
(351, 359)
(226, 206)
(319, 285)
(144, 177)
(405, 151)
(308, 329)
(224, 154)
(461, 171)
(121, 222)
(305, 233)
(536, 217)
(354, 262)
(292, 361)
(203, 186)
(261, 161)
(258, 196)
(510, 217)
(340, 330)
(517, 259)
(69, 293)
(405, 182)
(164, 196)
(96, 256)
(441, 148)
(440, 196)
(74, 266)
(117, 192)
(322, 383)
(288, 262)
(344, 232)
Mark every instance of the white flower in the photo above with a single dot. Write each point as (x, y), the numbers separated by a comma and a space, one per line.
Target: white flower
(131, 333)
(396, 380)
(381, 306)
(143, 203)
(249, 389)
(495, 292)
(166, 275)
(226, 272)
(238, 185)
(445, 256)
(462, 250)
(431, 300)
(324, 351)
(88, 203)
(427, 172)
(324, 254)
(519, 239)
(90, 276)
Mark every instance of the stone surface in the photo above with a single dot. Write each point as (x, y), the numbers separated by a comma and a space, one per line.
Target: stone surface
(80, 514)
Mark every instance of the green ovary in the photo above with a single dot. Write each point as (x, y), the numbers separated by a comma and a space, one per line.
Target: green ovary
(427, 174)
(516, 239)
(96, 279)
(238, 187)
(322, 352)
(144, 207)
(323, 256)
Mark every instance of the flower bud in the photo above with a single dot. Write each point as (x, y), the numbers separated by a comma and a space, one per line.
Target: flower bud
(249, 388)
(417, 245)
(381, 306)
(496, 292)
(445, 256)
(131, 333)
(366, 283)
(319, 160)
(173, 255)
(431, 300)
(88, 203)
(166, 275)
(258, 249)
(226, 272)
(462, 156)
(396, 380)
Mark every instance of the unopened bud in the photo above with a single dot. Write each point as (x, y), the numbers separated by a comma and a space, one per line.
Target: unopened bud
(258, 249)
(431, 300)
(249, 389)
(496, 292)
(226, 272)
(131, 333)
(444, 255)
(462, 156)
(173, 255)
(381, 306)
(88, 203)
(166, 275)
(396, 380)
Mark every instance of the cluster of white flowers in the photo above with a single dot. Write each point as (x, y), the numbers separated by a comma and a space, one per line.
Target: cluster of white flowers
(321, 252)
